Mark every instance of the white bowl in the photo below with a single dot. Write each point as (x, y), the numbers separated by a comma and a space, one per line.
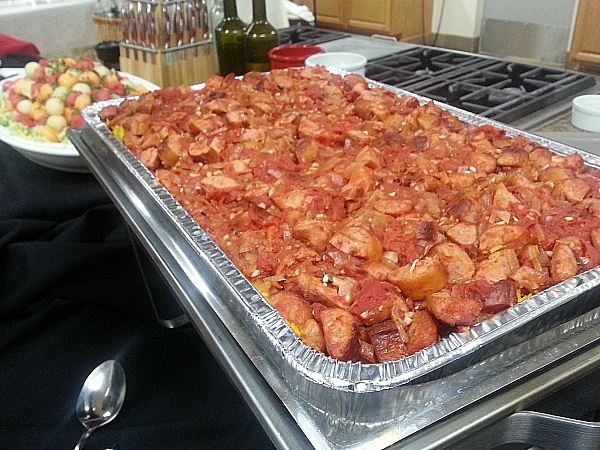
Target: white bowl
(58, 156)
(585, 113)
(350, 62)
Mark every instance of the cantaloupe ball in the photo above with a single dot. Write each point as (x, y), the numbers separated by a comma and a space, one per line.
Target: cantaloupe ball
(69, 62)
(90, 77)
(18, 86)
(69, 112)
(67, 80)
(45, 91)
(49, 133)
(112, 76)
(37, 111)
(82, 101)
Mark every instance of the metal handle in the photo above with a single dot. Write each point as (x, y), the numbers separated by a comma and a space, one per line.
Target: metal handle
(537, 429)
(83, 438)
(383, 37)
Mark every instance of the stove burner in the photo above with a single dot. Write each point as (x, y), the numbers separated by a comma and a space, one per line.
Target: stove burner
(501, 90)
(308, 35)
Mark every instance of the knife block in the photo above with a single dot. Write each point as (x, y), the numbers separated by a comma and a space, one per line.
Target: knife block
(188, 64)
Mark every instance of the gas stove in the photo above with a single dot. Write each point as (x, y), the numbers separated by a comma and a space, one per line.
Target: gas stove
(520, 94)
(308, 35)
(497, 89)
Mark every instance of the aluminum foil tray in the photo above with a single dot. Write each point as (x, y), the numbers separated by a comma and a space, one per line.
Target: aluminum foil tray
(340, 405)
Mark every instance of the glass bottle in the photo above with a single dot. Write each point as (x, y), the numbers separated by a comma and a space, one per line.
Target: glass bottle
(260, 37)
(229, 37)
(217, 13)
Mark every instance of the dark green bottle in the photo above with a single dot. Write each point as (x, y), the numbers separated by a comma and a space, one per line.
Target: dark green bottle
(260, 37)
(229, 38)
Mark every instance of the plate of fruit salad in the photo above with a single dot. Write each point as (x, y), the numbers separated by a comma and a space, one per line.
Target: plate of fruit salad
(38, 104)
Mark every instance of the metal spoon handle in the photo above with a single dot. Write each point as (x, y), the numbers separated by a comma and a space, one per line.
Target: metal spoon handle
(83, 438)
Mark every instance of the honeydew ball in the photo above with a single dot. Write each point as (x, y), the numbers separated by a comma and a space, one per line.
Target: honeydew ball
(30, 68)
(49, 71)
(101, 70)
(54, 106)
(24, 106)
(127, 83)
(84, 88)
(60, 92)
(75, 72)
(26, 88)
(57, 122)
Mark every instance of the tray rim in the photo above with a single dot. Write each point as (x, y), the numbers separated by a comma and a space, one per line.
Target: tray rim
(355, 376)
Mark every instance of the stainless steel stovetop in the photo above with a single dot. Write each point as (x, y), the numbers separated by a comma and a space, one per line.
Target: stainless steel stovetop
(520, 94)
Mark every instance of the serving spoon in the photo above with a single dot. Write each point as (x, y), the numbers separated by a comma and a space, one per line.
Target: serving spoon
(101, 397)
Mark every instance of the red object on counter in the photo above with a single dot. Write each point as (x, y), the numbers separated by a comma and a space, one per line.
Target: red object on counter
(291, 55)
(9, 45)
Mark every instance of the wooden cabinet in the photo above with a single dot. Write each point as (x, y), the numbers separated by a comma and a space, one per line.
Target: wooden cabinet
(585, 45)
(403, 19)
(330, 13)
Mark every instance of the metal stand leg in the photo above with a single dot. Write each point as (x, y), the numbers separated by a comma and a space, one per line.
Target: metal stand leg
(166, 308)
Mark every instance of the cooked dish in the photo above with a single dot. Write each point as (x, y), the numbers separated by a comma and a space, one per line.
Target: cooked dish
(374, 224)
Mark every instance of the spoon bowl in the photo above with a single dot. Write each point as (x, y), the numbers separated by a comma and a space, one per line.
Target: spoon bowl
(101, 398)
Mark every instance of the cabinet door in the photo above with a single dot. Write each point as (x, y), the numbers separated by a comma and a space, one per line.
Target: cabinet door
(330, 13)
(585, 47)
(369, 16)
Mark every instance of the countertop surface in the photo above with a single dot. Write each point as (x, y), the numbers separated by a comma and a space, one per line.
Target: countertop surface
(562, 130)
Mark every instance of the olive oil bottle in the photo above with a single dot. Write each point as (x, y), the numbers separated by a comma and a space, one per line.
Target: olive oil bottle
(260, 37)
(229, 38)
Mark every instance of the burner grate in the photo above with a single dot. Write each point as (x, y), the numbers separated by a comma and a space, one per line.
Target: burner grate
(308, 35)
(493, 88)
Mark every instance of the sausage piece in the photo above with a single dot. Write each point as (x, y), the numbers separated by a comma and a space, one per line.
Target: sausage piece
(341, 334)
(420, 279)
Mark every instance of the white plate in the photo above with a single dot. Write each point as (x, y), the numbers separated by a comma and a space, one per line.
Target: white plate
(53, 155)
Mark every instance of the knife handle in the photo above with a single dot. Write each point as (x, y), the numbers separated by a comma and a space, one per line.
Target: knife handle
(165, 28)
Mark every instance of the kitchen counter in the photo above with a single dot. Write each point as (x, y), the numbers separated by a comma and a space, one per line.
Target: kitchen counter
(561, 124)
(562, 130)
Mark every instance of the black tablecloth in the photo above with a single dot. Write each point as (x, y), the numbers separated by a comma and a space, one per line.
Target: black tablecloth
(72, 296)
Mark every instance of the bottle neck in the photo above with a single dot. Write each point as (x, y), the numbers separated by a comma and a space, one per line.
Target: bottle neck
(230, 8)
(259, 11)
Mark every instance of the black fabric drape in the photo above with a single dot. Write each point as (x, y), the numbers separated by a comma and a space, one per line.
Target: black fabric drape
(72, 296)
